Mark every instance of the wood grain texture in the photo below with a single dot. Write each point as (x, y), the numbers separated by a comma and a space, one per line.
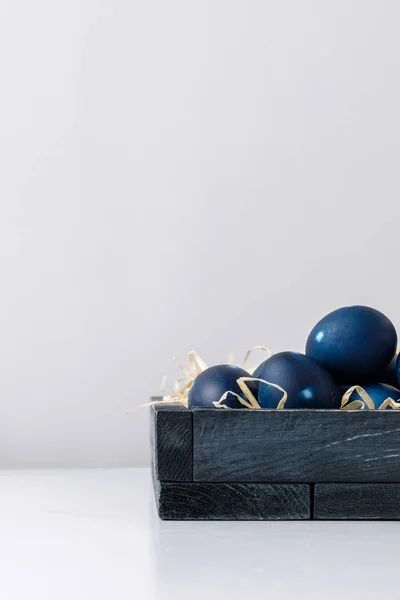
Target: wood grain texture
(172, 443)
(350, 501)
(296, 446)
(232, 502)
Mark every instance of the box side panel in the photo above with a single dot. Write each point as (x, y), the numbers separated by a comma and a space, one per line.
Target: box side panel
(370, 501)
(172, 443)
(232, 502)
(307, 446)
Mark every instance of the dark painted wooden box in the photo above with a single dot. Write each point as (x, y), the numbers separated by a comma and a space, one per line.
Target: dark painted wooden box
(276, 464)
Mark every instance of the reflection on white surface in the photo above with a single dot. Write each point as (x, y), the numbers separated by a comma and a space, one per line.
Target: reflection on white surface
(95, 535)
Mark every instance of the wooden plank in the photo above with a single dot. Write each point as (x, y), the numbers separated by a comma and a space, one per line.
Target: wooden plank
(232, 502)
(172, 443)
(311, 446)
(377, 501)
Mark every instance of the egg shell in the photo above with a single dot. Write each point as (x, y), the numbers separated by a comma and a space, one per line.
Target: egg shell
(398, 368)
(386, 375)
(257, 371)
(389, 373)
(378, 392)
(212, 383)
(355, 341)
(307, 384)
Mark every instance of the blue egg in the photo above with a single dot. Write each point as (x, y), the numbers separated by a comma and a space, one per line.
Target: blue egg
(386, 375)
(398, 368)
(307, 384)
(389, 373)
(378, 392)
(255, 384)
(211, 385)
(257, 372)
(355, 341)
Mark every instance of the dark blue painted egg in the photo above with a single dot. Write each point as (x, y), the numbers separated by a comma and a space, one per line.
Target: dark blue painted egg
(254, 385)
(211, 385)
(398, 368)
(257, 372)
(354, 340)
(378, 392)
(307, 384)
(389, 373)
(386, 375)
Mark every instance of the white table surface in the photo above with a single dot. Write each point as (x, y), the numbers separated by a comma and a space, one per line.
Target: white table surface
(94, 535)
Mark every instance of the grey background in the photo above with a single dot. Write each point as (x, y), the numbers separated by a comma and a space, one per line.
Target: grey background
(176, 175)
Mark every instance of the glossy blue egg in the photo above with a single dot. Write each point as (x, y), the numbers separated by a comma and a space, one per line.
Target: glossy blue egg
(378, 392)
(255, 384)
(212, 383)
(398, 368)
(386, 375)
(389, 373)
(257, 371)
(307, 384)
(355, 340)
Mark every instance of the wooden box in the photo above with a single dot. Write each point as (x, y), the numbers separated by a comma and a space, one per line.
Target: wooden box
(220, 464)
